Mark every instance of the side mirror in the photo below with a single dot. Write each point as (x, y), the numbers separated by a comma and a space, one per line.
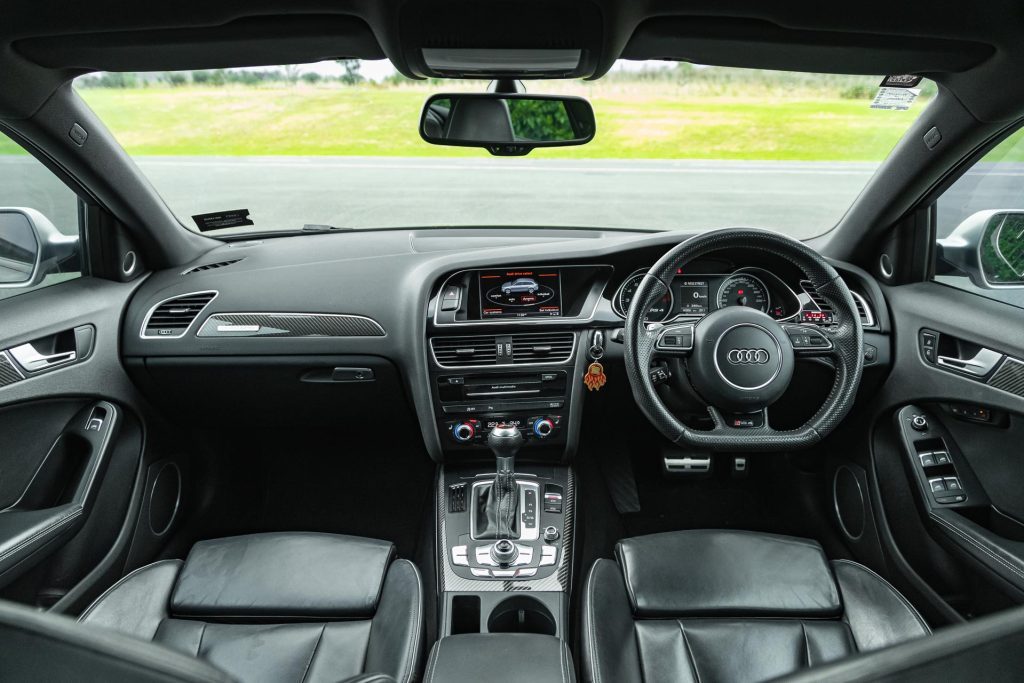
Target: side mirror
(31, 248)
(507, 124)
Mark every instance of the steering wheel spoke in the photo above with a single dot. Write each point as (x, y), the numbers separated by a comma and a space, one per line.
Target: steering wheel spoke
(808, 341)
(673, 340)
(727, 421)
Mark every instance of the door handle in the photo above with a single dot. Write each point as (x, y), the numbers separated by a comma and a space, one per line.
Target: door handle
(33, 361)
(979, 365)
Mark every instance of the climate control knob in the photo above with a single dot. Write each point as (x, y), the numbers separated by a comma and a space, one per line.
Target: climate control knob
(463, 432)
(543, 427)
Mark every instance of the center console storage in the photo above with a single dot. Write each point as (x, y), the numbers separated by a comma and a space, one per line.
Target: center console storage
(510, 658)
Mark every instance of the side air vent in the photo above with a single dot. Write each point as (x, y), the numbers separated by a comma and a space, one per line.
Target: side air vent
(542, 347)
(867, 319)
(171, 318)
(465, 351)
(210, 266)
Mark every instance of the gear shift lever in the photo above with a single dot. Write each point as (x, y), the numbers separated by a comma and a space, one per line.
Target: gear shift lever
(497, 506)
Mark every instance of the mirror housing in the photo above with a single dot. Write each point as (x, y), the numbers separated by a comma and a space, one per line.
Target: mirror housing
(507, 124)
(987, 247)
(31, 247)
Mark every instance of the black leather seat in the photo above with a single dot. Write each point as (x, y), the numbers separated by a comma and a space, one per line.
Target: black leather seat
(732, 606)
(277, 607)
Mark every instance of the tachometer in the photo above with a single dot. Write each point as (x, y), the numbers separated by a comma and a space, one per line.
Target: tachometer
(624, 297)
(743, 289)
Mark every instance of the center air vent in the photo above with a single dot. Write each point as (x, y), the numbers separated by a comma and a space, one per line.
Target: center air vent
(514, 349)
(863, 309)
(465, 351)
(542, 347)
(171, 318)
(210, 266)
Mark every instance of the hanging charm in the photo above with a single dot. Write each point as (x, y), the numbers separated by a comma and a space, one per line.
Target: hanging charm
(595, 377)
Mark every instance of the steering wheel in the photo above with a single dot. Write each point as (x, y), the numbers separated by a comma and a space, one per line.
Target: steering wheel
(739, 360)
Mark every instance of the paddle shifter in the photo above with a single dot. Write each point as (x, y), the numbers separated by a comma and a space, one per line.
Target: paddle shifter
(497, 505)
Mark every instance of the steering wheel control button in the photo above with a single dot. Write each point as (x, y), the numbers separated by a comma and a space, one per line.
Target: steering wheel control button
(460, 556)
(659, 375)
(919, 423)
(807, 340)
(677, 338)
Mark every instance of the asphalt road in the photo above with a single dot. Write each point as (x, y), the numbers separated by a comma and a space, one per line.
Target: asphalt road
(800, 198)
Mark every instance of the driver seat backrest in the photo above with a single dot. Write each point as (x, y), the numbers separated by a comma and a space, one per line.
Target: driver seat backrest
(732, 606)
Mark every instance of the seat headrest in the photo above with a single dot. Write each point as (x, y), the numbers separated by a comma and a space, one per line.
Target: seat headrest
(727, 573)
(480, 119)
(289, 575)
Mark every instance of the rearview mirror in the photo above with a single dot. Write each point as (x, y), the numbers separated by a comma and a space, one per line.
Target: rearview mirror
(507, 124)
(31, 247)
(988, 247)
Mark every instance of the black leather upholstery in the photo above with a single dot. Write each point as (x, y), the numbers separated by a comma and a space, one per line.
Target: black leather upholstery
(732, 606)
(499, 658)
(278, 607)
(989, 649)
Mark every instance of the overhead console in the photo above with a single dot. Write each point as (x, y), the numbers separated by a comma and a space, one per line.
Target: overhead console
(521, 293)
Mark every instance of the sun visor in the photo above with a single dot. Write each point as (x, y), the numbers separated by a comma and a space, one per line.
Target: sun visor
(250, 41)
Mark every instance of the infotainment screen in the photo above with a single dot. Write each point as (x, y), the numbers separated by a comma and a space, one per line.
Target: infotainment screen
(520, 293)
(692, 296)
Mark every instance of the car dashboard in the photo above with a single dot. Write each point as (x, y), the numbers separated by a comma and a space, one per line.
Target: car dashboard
(457, 329)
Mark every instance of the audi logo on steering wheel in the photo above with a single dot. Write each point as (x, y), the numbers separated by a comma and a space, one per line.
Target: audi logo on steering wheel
(748, 356)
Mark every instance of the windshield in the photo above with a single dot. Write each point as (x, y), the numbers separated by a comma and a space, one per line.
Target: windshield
(677, 147)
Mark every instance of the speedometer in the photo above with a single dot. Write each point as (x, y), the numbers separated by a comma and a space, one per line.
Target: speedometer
(624, 297)
(743, 289)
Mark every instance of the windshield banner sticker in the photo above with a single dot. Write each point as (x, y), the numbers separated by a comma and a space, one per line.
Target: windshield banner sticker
(895, 99)
(900, 81)
(222, 219)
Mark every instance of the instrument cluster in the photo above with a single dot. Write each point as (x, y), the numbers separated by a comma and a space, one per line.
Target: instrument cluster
(697, 294)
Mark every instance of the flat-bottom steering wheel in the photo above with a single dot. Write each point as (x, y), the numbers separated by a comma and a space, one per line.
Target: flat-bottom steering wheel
(740, 360)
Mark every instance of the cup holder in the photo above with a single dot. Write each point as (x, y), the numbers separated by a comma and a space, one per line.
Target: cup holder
(521, 614)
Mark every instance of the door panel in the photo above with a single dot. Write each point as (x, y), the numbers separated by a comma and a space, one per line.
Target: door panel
(71, 441)
(957, 428)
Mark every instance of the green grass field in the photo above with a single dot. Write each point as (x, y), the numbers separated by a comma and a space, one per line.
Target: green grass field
(649, 120)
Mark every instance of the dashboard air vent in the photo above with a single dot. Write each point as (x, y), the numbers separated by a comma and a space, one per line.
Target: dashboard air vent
(211, 266)
(465, 351)
(542, 347)
(863, 309)
(171, 318)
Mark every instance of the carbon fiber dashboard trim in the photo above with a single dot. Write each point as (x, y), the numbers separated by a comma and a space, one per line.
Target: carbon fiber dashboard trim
(561, 580)
(9, 374)
(289, 325)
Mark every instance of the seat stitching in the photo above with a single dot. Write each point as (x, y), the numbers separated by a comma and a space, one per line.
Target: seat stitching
(689, 650)
(312, 656)
(202, 635)
(906, 603)
(46, 529)
(978, 545)
(592, 627)
(411, 646)
(432, 667)
(807, 647)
